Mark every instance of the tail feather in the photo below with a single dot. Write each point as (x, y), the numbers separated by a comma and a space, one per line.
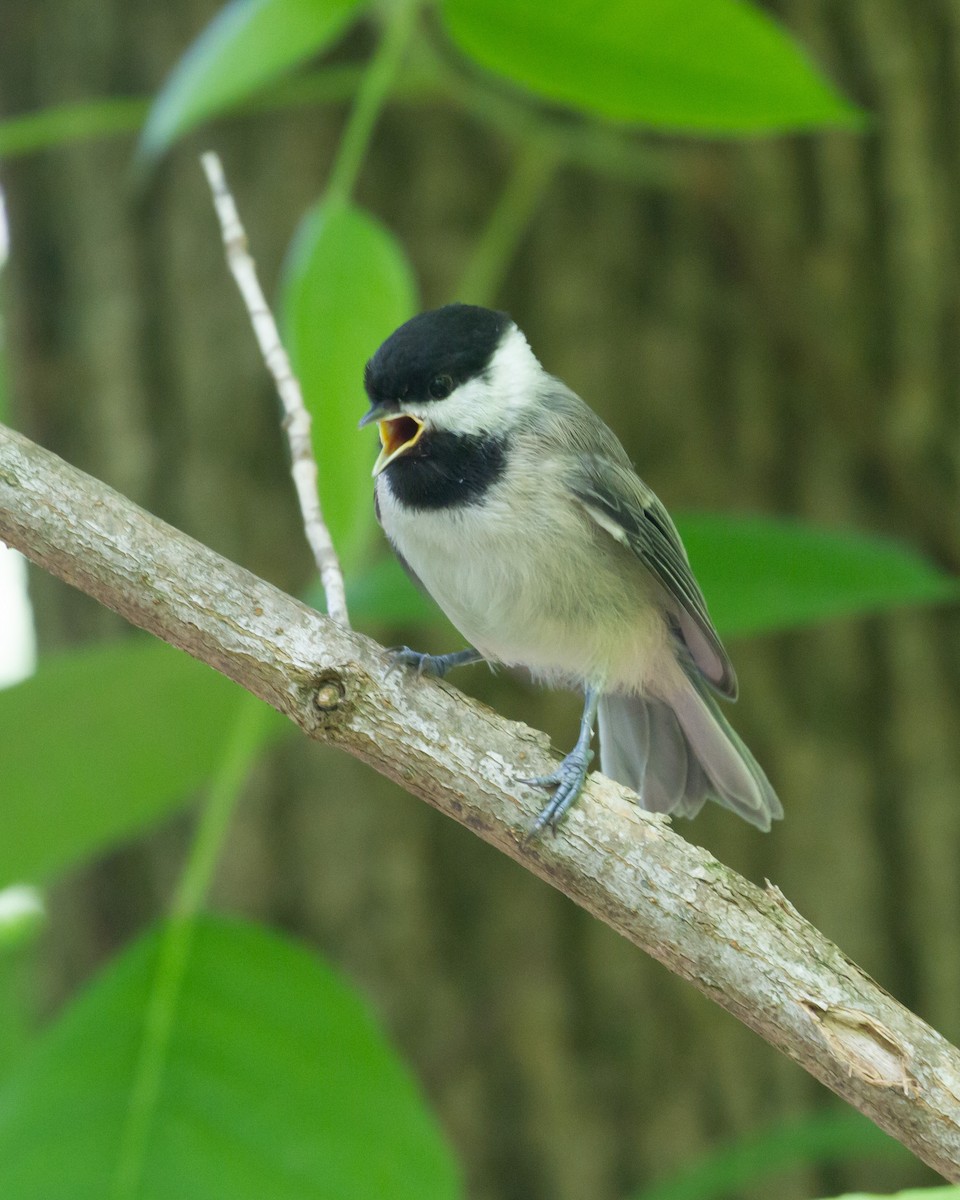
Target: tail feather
(676, 755)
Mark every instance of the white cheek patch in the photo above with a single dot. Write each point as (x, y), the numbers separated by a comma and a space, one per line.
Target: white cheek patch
(514, 373)
(512, 380)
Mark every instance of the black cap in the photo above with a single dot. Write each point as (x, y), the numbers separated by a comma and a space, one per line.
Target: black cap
(433, 353)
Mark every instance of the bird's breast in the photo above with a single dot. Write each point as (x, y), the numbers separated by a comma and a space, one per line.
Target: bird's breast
(525, 579)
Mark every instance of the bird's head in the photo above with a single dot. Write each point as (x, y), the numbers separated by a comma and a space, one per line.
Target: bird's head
(457, 371)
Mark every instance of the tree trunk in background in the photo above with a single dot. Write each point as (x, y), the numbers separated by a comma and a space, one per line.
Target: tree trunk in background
(776, 331)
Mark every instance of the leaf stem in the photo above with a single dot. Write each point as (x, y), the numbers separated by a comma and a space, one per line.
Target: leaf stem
(378, 78)
(243, 745)
(508, 222)
(594, 145)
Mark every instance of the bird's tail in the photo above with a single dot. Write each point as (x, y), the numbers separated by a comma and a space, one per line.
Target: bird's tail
(678, 754)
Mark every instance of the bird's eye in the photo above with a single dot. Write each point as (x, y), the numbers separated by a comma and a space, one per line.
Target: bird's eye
(440, 387)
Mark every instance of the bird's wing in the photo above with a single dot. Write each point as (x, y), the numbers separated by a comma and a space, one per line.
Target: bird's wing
(621, 504)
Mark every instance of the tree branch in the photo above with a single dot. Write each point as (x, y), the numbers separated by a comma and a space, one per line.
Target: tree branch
(744, 947)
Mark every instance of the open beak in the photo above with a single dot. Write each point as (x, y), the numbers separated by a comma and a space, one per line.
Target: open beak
(398, 435)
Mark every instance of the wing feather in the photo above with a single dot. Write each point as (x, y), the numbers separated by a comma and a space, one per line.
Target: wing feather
(622, 505)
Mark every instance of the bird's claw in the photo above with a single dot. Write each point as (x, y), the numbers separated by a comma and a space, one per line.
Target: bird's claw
(568, 779)
(424, 664)
(435, 666)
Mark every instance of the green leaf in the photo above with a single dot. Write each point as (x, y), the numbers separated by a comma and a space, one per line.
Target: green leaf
(101, 743)
(247, 45)
(277, 1083)
(384, 593)
(22, 919)
(756, 1159)
(937, 1193)
(710, 66)
(760, 574)
(347, 285)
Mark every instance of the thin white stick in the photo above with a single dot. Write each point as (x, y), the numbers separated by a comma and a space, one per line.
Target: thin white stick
(296, 421)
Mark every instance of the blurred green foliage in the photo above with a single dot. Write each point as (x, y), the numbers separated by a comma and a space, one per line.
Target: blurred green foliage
(248, 1069)
(347, 286)
(762, 574)
(275, 1083)
(759, 1159)
(80, 776)
(712, 66)
(245, 47)
(937, 1193)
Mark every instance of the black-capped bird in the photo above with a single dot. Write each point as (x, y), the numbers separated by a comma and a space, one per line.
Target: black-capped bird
(518, 510)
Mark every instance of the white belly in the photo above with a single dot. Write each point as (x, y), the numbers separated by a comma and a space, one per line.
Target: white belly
(552, 596)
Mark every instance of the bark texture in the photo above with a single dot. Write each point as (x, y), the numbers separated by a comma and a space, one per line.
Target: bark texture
(775, 328)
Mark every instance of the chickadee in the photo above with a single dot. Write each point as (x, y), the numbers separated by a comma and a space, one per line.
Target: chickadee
(519, 512)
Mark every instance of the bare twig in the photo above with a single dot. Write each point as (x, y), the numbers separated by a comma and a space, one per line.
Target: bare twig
(746, 948)
(297, 419)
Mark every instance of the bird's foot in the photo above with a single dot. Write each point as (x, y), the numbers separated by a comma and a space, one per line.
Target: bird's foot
(568, 779)
(433, 665)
